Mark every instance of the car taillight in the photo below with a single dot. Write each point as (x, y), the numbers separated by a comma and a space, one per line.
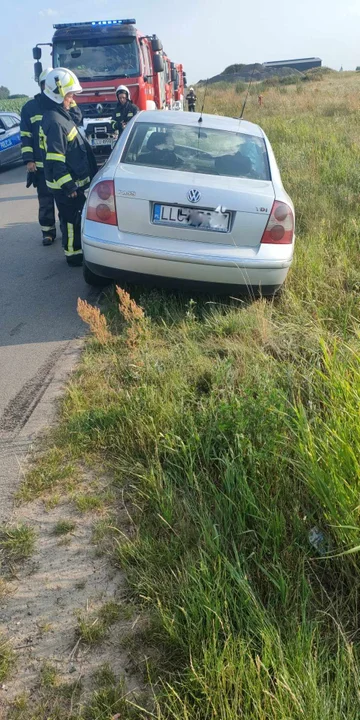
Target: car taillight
(101, 203)
(280, 226)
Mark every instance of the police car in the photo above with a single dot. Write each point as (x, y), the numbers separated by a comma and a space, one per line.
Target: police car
(10, 141)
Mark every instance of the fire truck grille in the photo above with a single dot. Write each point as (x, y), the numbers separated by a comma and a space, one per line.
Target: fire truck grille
(93, 110)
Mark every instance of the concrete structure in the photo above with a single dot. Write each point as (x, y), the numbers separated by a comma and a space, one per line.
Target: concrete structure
(300, 64)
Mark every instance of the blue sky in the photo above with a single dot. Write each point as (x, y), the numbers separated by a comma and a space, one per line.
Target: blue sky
(206, 35)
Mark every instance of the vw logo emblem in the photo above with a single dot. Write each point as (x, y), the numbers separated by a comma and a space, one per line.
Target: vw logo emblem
(99, 108)
(194, 196)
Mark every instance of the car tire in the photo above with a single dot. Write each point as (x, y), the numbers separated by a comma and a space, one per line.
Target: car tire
(94, 280)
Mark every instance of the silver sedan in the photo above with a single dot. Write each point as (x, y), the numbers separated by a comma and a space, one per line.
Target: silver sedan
(190, 198)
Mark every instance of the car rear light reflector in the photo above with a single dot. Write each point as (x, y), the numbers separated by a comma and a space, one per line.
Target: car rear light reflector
(280, 226)
(101, 203)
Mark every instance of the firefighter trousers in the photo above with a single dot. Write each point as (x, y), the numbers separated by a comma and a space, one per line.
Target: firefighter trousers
(191, 107)
(70, 222)
(46, 207)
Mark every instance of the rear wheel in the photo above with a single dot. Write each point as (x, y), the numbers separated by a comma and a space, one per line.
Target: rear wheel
(92, 279)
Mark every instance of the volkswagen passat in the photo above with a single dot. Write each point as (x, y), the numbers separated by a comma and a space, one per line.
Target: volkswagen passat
(192, 198)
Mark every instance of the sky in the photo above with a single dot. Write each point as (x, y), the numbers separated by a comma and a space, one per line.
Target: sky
(205, 35)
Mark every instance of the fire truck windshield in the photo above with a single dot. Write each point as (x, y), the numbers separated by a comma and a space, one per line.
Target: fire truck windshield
(98, 58)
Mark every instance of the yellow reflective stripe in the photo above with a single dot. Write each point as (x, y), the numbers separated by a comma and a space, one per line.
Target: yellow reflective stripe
(70, 242)
(57, 184)
(42, 139)
(74, 252)
(55, 156)
(73, 104)
(24, 133)
(118, 114)
(27, 149)
(81, 183)
(46, 228)
(72, 134)
(64, 179)
(39, 164)
(36, 118)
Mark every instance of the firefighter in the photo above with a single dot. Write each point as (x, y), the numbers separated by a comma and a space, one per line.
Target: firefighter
(31, 116)
(68, 161)
(124, 110)
(191, 100)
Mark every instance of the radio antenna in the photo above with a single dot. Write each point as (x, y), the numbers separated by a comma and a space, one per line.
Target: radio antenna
(247, 94)
(203, 105)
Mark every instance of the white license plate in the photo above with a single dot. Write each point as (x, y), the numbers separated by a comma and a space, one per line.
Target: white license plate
(196, 218)
(101, 141)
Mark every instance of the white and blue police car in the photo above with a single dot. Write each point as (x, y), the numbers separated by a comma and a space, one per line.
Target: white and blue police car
(10, 141)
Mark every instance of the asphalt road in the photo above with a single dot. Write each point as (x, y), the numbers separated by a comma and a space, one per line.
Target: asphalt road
(38, 296)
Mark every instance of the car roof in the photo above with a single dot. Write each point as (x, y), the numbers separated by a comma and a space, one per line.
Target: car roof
(214, 122)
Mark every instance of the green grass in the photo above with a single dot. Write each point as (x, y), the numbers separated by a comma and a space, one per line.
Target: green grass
(63, 527)
(93, 627)
(16, 542)
(57, 701)
(231, 430)
(7, 658)
(49, 472)
(48, 676)
(88, 503)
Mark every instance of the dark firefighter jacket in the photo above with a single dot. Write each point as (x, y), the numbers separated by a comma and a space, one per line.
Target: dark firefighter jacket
(123, 114)
(31, 117)
(191, 98)
(65, 154)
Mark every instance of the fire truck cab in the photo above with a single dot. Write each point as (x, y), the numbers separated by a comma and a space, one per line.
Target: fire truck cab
(104, 54)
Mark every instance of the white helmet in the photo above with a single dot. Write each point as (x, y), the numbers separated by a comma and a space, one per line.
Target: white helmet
(191, 89)
(123, 89)
(44, 74)
(59, 82)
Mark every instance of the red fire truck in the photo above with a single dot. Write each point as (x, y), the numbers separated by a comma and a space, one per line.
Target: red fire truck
(105, 54)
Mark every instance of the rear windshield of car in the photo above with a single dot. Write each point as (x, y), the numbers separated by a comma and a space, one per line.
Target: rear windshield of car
(198, 150)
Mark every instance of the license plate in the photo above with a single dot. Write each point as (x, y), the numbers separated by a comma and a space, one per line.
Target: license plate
(196, 218)
(102, 141)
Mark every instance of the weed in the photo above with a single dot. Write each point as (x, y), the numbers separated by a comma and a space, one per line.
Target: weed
(96, 321)
(89, 503)
(49, 471)
(63, 527)
(7, 658)
(48, 676)
(17, 542)
(93, 627)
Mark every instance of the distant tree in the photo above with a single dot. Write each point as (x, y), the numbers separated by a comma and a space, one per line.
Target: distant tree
(358, 68)
(16, 97)
(4, 92)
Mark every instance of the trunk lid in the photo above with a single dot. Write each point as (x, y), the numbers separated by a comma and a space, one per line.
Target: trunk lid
(138, 187)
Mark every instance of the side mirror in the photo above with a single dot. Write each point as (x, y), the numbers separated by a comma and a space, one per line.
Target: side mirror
(173, 75)
(158, 63)
(36, 53)
(156, 44)
(146, 79)
(75, 54)
(37, 71)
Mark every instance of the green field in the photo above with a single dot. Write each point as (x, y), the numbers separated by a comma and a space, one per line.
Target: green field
(12, 105)
(233, 430)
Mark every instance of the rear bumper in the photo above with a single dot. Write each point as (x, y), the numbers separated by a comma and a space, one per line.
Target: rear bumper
(118, 254)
